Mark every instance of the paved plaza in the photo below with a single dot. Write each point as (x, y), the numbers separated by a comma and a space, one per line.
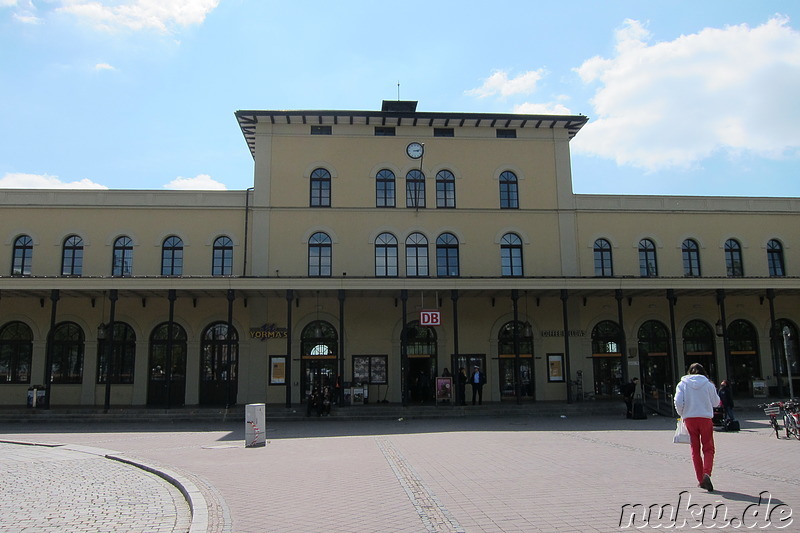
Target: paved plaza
(472, 474)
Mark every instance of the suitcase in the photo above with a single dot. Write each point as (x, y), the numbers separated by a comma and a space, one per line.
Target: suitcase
(732, 425)
(638, 411)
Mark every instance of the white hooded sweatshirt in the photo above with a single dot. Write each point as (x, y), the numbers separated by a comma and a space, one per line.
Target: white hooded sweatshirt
(695, 397)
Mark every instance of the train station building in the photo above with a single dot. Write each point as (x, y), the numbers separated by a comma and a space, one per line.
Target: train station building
(379, 250)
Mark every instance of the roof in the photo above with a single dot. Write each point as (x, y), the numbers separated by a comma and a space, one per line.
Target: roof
(402, 113)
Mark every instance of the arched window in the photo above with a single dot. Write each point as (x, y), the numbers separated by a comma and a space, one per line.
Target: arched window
(420, 340)
(386, 255)
(691, 258)
(606, 338)
(320, 188)
(509, 195)
(123, 353)
(319, 255)
(319, 338)
(699, 346)
(447, 256)
(505, 338)
(385, 189)
(648, 267)
(733, 258)
(222, 259)
(72, 256)
(775, 259)
(172, 256)
(745, 359)
(16, 353)
(122, 264)
(319, 348)
(416, 255)
(602, 258)
(67, 353)
(445, 189)
(23, 256)
(511, 255)
(415, 189)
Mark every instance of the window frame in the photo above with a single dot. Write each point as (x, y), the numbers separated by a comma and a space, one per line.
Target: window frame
(172, 256)
(690, 255)
(415, 189)
(509, 190)
(648, 261)
(386, 256)
(222, 256)
(16, 352)
(447, 256)
(445, 189)
(72, 256)
(123, 355)
(734, 261)
(603, 258)
(320, 248)
(122, 257)
(320, 188)
(22, 256)
(385, 188)
(511, 259)
(775, 259)
(417, 261)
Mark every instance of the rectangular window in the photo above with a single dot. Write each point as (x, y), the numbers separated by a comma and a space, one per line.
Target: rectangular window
(506, 134)
(443, 132)
(321, 130)
(370, 369)
(384, 131)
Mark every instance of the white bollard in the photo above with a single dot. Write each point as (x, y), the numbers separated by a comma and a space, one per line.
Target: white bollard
(255, 425)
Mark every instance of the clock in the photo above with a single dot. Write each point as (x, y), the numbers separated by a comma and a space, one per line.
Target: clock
(415, 150)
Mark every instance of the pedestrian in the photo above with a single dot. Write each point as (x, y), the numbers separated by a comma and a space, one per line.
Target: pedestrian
(477, 380)
(446, 373)
(461, 381)
(695, 399)
(628, 392)
(726, 399)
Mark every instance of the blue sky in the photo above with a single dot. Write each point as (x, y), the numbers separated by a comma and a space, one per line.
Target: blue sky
(686, 98)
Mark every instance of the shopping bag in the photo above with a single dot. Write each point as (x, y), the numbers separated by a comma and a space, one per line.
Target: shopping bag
(681, 434)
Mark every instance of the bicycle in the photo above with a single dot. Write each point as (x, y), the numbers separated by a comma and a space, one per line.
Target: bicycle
(772, 410)
(791, 418)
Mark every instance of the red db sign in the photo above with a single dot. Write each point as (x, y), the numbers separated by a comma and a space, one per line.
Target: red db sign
(430, 318)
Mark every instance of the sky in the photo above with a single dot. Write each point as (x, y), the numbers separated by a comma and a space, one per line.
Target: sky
(695, 98)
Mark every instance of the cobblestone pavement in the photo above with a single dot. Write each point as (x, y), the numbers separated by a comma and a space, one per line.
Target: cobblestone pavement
(512, 474)
(63, 489)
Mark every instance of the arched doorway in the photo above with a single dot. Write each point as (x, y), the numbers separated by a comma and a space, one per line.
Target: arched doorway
(219, 368)
(160, 360)
(607, 339)
(786, 343)
(16, 352)
(507, 360)
(421, 348)
(699, 346)
(319, 344)
(657, 379)
(745, 360)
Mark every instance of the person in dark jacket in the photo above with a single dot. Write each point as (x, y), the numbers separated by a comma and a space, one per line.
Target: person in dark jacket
(628, 392)
(726, 400)
(461, 381)
(477, 380)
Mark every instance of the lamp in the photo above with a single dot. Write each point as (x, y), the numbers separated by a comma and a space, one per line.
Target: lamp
(101, 331)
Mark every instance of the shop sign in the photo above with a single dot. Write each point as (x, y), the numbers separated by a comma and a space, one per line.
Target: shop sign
(430, 318)
(269, 331)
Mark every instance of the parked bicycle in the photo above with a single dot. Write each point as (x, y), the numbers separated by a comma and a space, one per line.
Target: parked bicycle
(772, 410)
(791, 418)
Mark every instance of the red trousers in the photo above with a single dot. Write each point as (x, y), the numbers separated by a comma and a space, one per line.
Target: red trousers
(701, 433)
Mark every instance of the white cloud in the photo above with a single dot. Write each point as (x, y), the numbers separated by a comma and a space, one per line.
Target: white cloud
(499, 83)
(672, 104)
(549, 108)
(103, 66)
(16, 180)
(27, 18)
(201, 182)
(160, 15)
(8, 3)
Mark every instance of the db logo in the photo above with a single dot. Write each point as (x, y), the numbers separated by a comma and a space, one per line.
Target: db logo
(430, 318)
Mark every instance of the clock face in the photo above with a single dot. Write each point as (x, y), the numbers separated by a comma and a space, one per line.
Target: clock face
(414, 150)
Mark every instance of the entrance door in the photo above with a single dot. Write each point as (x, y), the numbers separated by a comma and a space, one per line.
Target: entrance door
(507, 382)
(421, 379)
(219, 366)
(157, 393)
(316, 374)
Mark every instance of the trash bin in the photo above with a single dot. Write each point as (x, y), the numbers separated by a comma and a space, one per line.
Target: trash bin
(36, 395)
(255, 430)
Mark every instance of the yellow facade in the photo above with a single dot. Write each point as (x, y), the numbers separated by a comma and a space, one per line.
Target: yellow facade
(298, 326)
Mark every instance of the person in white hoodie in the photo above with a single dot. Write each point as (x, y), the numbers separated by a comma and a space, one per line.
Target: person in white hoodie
(695, 399)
